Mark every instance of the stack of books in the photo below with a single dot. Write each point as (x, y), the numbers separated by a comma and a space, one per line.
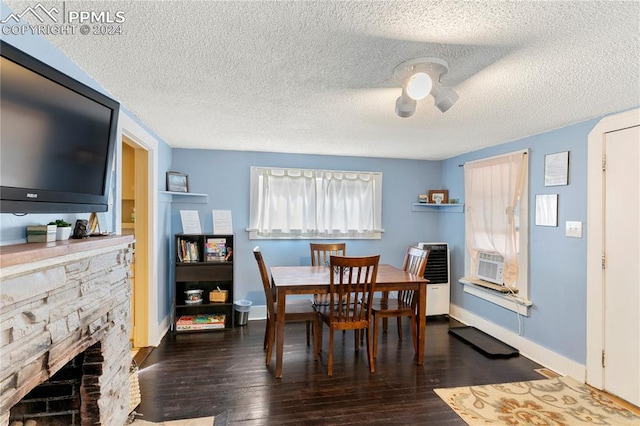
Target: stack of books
(41, 233)
(215, 249)
(200, 322)
(188, 251)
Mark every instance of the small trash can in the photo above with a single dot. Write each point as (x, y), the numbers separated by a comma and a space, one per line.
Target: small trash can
(242, 308)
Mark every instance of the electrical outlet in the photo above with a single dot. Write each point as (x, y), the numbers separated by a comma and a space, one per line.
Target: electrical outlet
(573, 229)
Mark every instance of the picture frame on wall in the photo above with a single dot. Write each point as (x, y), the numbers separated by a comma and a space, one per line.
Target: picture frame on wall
(438, 196)
(547, 210)
(556, 169)
(177, 182)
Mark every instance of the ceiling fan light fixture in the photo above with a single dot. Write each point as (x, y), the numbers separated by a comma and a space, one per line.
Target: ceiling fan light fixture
(420, 77)
(444, 97)
(419, 86)
(405, 106)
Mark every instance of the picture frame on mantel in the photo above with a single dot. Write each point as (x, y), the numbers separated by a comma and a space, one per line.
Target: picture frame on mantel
(177, 182)
(438, 196)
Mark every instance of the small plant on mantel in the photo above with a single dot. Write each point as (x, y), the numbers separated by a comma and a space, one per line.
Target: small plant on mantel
(63, 230)
(60, 224)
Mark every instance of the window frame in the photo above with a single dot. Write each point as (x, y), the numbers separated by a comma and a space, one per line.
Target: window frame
(508, 301)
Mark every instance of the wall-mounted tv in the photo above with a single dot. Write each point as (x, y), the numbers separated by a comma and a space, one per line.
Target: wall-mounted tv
(58, 138)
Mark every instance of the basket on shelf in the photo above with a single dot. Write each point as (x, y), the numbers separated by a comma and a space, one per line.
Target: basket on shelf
(218, 296)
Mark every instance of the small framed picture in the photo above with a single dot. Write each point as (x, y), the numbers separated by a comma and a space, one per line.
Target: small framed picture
(177, 182)
(438, 196)
(556, 169)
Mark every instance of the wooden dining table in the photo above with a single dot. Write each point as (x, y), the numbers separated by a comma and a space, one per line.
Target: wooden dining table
(289, 280)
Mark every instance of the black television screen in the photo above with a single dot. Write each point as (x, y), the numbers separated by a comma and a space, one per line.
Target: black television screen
(57, 139)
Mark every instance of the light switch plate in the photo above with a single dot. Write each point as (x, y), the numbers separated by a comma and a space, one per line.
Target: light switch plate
(573, 229)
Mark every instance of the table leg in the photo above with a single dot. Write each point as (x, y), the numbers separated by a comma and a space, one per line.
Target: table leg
(422, 312)
(385, 320)
(282, 299)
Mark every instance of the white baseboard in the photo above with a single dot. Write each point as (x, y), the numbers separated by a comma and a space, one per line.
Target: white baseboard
(258, 312)
(546, 357)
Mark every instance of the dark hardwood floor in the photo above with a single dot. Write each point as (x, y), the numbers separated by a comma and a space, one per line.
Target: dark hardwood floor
(223, 374)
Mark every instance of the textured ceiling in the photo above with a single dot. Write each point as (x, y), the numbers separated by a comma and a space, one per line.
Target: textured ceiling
(317, 77)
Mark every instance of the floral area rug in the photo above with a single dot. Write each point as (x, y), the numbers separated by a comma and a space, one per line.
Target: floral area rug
(557, 401)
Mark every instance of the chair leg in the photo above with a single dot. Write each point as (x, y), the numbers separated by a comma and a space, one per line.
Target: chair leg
(316, 323)
(318, 337)
(330, 362)
(357, 340)
(399, 327)
(308, 332)
(270, 341)
(376, 331)
(266, 334)
(414, 332)
(370, 351)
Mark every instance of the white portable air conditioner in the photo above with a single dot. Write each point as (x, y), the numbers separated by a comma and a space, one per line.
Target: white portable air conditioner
(438, 274)
(490, 267)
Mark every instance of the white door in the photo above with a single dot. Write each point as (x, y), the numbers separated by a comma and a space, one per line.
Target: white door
(621, 329)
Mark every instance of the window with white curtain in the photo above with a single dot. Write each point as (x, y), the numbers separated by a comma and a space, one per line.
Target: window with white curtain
(305, 203)
(496, 216)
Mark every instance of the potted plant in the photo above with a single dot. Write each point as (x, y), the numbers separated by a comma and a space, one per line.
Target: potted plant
(63, 230)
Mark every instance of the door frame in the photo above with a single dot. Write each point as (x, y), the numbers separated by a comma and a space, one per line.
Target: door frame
(137, 134)
(595, 241)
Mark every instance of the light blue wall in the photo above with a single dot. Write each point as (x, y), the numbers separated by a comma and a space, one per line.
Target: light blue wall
(224, 176)
(557, 264)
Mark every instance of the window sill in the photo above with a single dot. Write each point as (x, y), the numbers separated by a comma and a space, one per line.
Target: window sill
(507, 301)
(373, 235)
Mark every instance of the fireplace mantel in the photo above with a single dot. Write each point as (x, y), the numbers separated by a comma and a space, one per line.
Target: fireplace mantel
(56, 301)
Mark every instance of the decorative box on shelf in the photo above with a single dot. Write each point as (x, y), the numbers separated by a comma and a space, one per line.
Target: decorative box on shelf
(41, 233)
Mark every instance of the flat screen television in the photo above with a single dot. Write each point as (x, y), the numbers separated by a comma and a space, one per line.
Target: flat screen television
(58, 138)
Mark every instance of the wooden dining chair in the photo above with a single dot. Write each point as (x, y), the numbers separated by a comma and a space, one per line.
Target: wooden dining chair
(353, 279)
(320, 253)
(415, 261)
(295, 311)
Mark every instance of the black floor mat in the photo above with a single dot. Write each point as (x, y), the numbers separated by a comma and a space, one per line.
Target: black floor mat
(488, 345)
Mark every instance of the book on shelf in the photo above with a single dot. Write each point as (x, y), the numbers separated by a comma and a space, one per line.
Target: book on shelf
(201, 322)
(188, 251)
(215, 249)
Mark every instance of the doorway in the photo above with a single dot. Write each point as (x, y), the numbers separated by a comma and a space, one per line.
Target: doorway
(613, 247)
(135, 222)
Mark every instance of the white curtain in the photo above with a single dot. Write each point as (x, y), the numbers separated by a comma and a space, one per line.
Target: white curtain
(347, 202)
(307, 203)
(288, 202)
(493, 188)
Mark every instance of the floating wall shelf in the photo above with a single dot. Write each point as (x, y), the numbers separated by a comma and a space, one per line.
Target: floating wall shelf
(185, 197)
(431, 207)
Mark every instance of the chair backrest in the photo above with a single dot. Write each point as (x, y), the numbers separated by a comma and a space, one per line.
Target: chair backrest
(353, 280)
(268, 292)
(415, 262)
(320, 252)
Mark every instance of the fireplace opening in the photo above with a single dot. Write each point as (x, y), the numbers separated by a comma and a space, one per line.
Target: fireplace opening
(54, 402)
(69, 398)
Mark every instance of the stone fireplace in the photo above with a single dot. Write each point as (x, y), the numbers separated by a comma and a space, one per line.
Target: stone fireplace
(60, 300)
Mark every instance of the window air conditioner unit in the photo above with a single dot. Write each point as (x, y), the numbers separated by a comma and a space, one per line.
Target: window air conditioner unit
(490, 267)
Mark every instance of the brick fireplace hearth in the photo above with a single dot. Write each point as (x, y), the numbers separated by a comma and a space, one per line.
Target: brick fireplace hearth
(59, 300)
